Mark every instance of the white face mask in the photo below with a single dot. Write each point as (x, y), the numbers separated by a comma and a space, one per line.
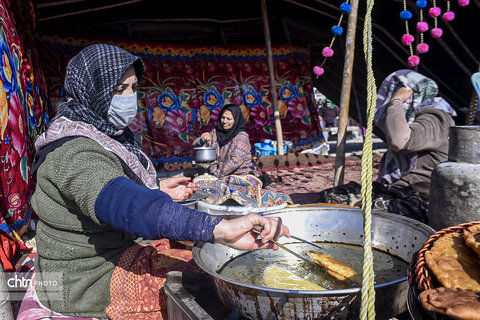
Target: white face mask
(123, 110)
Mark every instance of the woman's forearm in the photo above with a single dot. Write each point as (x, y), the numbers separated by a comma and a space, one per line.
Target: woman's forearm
(397, 130)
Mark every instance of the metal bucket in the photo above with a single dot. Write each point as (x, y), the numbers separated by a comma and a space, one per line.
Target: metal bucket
(455, 184)
(397, 235)
(205, 154)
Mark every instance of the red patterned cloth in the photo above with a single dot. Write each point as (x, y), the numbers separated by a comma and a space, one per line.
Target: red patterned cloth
(244, 190)
(23, 116)
(185, 87)
(136, 288)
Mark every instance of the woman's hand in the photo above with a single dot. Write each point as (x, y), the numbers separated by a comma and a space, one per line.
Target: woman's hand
(207, 137)
(178, 188)
(402, 94)
(237, 233)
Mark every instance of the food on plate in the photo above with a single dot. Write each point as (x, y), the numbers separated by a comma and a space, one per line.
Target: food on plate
(471, 235)
(280, 278)
(453, 263)
(455, 303)
(335, 268)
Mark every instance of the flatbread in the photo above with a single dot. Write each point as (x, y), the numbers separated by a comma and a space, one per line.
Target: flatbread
(457, 304)
(335, 268)
(471, 235)
(455, 265)
(280, 278)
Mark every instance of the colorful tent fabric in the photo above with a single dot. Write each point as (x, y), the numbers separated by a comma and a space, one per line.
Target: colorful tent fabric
(24, 114)
(185, 88)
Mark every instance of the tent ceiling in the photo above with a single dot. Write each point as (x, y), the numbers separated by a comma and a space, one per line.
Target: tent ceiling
(450, 62)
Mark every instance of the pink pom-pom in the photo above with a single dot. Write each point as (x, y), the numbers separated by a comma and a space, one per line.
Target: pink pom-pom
(448, 16)
(422, 48)
(463, 3)
(413, 61)
(422, 26)
(318, 71)
(327, 52)
(436, 33)
(407, 39)
(434, 12)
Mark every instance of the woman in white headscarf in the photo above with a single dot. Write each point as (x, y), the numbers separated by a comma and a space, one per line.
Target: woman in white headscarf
(415, 122)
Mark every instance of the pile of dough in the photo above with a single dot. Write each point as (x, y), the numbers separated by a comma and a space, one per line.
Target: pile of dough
(455, 303)
(472, 237)
(453, 263)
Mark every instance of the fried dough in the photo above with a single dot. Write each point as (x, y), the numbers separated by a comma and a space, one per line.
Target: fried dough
(457, 304)
(471, 235)
(453, 263)
(279, 278)
(335, 268)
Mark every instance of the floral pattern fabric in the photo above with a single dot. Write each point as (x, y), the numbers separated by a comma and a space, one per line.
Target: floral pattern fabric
(185, 88)
(24, 114)
(136, 288)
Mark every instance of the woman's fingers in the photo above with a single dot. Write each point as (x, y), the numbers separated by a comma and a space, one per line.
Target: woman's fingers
(272, 227)
(403, 93)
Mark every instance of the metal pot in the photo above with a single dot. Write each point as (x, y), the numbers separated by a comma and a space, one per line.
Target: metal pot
(396, 235)
(205, 154)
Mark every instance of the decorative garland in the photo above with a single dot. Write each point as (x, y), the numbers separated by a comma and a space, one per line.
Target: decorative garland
(407, 39)
(422, 26)
(337, 31)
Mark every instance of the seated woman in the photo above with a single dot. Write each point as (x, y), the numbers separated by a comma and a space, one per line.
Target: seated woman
(234, 152)
(104, 220)
(416, 124)
(328, 114)
(239, 182)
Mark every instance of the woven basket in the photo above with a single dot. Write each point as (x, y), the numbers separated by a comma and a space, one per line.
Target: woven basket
(419, 277)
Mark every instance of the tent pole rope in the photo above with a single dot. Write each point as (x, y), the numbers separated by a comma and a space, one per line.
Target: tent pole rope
(367, 309)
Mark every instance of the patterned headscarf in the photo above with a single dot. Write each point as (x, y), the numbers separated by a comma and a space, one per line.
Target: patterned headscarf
(397, 165)
(89, 83)
(425, 92)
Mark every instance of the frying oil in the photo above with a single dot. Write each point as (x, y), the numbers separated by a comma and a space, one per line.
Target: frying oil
(250, 267)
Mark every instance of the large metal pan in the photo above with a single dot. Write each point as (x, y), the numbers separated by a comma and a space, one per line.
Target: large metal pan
(397, 235)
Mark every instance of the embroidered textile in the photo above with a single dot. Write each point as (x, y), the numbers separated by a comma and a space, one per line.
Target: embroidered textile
(24, 114)
(243, 190)
(185, 88)
(136, 288)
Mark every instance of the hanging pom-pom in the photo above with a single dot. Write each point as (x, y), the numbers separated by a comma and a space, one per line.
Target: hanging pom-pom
(345, 8)
(318, 71)
(407, 39)
(422, 26)
(436, 33)
(420, 4)
(434, 12)
(448, 16)
(422, 48)
(413, 61)
(337, 30)
(327, 52)
(405, 15)
(463, 3)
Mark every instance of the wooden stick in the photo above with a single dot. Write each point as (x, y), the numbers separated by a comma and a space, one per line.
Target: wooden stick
(57, 3)
(273, 88)
(345, 94)
(90, 10)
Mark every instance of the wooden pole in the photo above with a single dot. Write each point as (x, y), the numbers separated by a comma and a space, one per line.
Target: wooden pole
(345, 94)
(271, 71)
